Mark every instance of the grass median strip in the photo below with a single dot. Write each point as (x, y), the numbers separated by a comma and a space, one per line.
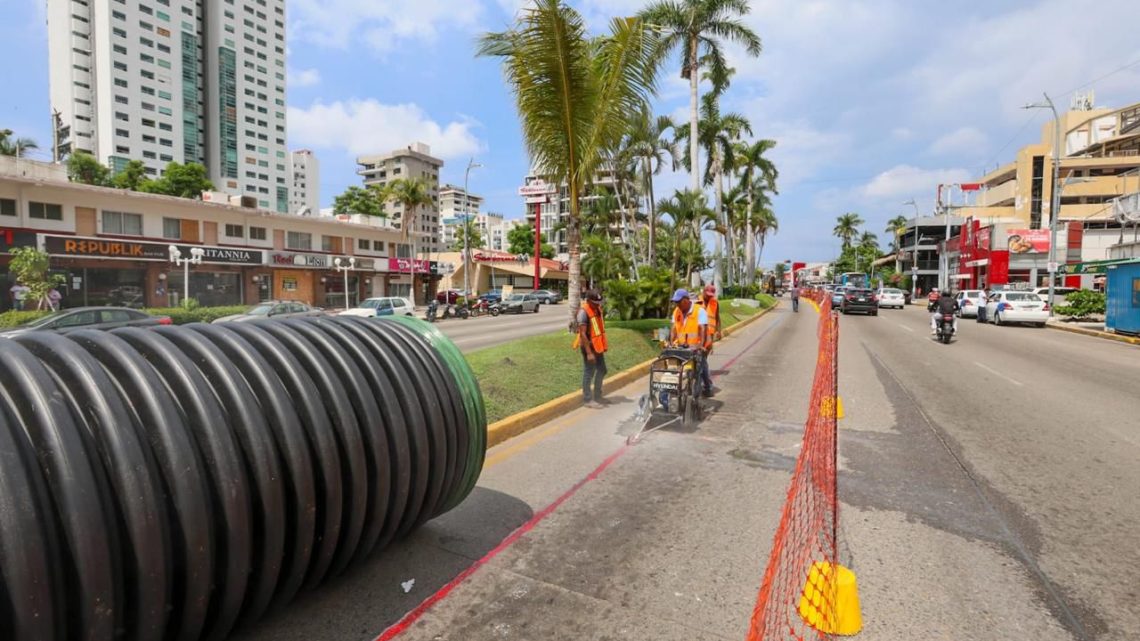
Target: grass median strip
(527, 372)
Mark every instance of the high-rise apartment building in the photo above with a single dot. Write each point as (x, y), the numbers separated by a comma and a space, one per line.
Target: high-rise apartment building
(453, 202)
(414, 161)
(305, 196)
(175, 80)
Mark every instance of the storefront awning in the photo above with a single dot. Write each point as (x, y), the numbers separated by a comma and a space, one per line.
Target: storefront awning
(1097, 266)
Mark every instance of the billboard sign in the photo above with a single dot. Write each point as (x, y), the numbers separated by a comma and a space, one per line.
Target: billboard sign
(537, 188)
(1028, 241)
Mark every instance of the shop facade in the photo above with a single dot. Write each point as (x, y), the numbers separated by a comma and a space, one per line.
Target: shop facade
(130, 273)
(1005, 256)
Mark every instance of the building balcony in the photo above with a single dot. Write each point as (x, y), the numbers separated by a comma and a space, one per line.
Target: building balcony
(1103, 186)
(1098, 211)
(1003, 194)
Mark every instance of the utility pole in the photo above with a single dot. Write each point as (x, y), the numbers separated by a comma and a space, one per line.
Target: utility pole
(1055, 201)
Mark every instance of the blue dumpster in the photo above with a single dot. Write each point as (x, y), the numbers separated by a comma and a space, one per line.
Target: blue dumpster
(1123, 298)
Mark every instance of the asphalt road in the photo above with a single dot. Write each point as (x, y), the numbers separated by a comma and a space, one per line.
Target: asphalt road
(485, 331)
(988, 490)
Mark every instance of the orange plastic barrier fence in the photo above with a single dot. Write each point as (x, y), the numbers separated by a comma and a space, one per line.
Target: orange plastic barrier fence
(798, 597)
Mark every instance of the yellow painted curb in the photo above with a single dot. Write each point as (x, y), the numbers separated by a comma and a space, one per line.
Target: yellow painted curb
(523, 422)
(1096, 334)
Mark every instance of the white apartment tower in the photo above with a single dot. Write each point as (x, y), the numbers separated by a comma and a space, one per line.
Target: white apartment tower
(175, 80)
(305, 196)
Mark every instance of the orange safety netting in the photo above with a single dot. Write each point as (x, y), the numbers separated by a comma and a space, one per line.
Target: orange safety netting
(798, 595)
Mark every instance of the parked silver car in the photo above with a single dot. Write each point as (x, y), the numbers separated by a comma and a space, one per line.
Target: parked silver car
(272, 309)
(519, 303)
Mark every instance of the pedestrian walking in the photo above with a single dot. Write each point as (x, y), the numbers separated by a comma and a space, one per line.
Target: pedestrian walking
(591, 342)
(19, 293)
(795, 293)
(54, 298)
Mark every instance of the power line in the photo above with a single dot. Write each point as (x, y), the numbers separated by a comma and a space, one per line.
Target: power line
(1098, 79)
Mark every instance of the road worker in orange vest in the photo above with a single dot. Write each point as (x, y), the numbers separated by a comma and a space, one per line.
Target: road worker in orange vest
(690, 328)
(591, 341)
(712, 308)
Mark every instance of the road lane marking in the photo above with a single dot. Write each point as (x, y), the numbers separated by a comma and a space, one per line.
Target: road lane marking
(999, 374)
(909, 329)
(411, 617)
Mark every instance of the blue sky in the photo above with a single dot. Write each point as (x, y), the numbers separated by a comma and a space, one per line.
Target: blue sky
(872, 102)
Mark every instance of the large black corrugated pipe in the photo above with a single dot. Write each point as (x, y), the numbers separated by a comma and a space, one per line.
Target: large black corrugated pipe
(169, 483)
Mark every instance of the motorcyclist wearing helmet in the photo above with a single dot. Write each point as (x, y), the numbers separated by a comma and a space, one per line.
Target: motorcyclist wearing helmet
(946, 304)
(931, 299)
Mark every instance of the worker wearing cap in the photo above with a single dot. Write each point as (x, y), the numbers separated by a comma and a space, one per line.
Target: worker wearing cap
(712, 309)
(691, 329)
(591, 341)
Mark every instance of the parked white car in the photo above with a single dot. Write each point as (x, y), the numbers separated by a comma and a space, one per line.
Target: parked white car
(891, 297)
(1017, 307)
(382, 306)
(969, 300)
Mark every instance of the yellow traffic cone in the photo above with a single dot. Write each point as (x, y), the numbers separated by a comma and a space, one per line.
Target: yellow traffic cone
(831, 605)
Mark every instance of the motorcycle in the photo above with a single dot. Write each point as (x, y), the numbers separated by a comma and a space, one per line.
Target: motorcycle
(432, 310)
(946, 328)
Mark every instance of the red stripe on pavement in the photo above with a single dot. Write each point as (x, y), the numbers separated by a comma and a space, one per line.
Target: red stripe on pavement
(411, 617)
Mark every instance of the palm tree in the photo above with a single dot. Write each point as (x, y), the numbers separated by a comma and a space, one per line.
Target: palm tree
(755, 170)
(763, 221)
(573, 94)
(847, 227)
(411, 193)
(896, 227)
(689, 213)
(649, 147)
(868, 244)
(17, 147)
(696, 28)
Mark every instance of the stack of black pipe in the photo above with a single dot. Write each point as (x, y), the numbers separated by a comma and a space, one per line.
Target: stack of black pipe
(170, 483)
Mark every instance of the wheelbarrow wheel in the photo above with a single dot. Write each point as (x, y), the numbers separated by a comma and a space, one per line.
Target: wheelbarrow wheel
(690, 411)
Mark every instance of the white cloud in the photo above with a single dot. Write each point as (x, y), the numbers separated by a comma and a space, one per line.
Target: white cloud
(369, 127)
(304, 77)
(967, 141)
(908, 181)
(384, 25)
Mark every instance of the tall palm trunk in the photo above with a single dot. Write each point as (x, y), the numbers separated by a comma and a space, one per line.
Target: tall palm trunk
(623, 201)
(750, 241)
(719, 197)
(652, 209)
(694, 147)
(574, 240)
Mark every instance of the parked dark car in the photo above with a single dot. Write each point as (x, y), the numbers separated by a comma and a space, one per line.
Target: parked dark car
(69, 320)
(452, 296)
(519, 303)
(859, 300)
(272, 309)
(493, 296)
(548, 297)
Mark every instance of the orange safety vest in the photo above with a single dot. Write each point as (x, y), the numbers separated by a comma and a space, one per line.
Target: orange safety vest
(595, 330)
(712, 306)
(687, 329)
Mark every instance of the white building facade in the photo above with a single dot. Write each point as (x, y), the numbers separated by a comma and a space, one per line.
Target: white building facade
(175, 81)
(414, 161)
(305, 183)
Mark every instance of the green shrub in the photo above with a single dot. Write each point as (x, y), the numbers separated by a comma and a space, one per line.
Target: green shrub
(1082, 303)
(14, 318)
(766, 301)
(182, 316)
(648, 297)
(646, 325)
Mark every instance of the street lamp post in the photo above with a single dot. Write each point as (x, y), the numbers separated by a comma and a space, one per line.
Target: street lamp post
(345, 267)
(471, 164)
(195, 258)
(1055, 201)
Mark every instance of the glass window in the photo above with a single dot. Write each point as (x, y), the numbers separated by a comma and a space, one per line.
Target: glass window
(116, 287)
(363, 244)
(235, 231)
(378, 245)
(7, 207)
(122, 223)
(298, 240)
(1136, 292)
(172, 228)
(257, 233)
(45, 211)
(327, 243)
